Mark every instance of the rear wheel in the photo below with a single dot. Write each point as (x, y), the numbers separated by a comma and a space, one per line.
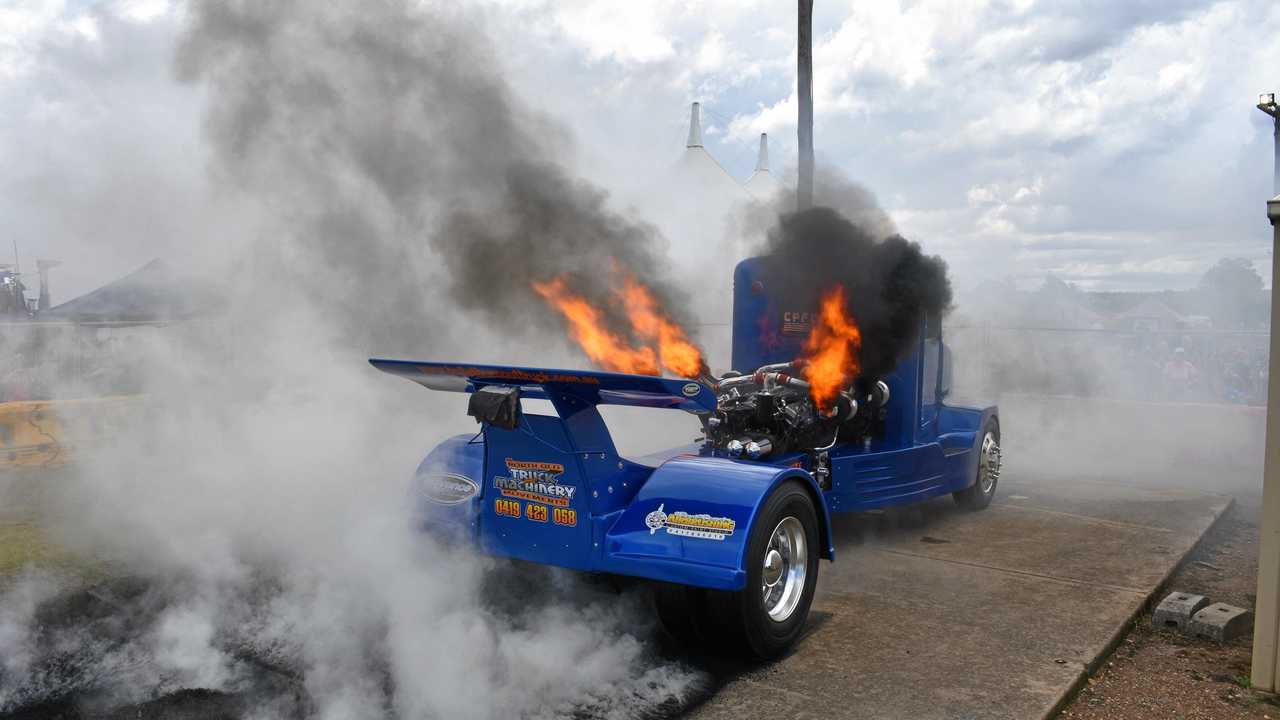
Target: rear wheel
(680, 609)
(978, 495)
(768, 616)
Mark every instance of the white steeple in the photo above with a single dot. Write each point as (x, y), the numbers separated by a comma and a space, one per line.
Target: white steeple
(695, 126)
(762, 183)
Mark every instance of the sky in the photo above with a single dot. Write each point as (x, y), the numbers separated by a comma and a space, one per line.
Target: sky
(1114, 145)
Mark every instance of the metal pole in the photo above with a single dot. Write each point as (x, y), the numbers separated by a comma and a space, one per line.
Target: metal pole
(804, 91)
(1267, 104)
(1275, 180)
(1266, 624)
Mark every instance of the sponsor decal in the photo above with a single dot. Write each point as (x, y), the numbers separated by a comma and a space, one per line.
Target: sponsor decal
(536, 513)
(695, 526)
(568, 517)
(535, 377)
(449, 489)
(564, 516)
(796, 323)
(691, 389)
(535, 482)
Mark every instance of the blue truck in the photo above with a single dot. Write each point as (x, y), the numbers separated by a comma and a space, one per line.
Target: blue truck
(728, 529)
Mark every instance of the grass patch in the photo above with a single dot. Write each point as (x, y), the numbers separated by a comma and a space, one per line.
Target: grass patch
(24, 543)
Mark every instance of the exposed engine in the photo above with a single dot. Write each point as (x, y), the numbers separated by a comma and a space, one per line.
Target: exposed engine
(770, 412)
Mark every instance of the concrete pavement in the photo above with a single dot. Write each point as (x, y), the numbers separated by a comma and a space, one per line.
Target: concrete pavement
(931, 612)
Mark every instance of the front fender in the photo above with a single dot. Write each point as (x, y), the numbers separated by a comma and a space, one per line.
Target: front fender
(690, 521)
(960, 435)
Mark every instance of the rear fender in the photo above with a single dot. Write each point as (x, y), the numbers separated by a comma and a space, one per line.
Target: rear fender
(439, 483)
(690, 522)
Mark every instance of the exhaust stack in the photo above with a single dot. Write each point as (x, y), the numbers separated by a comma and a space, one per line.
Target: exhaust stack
(804, 91)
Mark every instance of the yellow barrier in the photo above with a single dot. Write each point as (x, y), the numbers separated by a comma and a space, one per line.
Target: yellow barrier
(39, 433)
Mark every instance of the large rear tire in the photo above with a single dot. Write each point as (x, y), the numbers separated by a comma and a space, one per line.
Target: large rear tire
(767, 617)
(680, 610)
(978, 495)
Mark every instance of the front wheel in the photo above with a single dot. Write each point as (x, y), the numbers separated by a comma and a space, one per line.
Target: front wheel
(768, 615)
(978, 495)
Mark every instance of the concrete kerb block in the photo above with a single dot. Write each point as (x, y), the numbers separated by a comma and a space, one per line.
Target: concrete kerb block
(1221, 622)
(1176, 609)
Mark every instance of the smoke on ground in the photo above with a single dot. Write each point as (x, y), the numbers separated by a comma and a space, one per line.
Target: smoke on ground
(258, 494)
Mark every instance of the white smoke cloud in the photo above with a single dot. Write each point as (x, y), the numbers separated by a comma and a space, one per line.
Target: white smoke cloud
(258, 497)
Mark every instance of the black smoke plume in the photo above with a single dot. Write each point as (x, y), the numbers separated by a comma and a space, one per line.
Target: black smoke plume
(545, 223)
(405, 175)
(891, 284)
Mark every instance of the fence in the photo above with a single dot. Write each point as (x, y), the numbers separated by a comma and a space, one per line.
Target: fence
(41, 361)
(1177, 366)
(992, 360)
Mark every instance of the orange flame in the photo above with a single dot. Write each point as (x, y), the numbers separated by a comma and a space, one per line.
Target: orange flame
(658, 340)
(586, 326)
(831, 351)
(676, 352)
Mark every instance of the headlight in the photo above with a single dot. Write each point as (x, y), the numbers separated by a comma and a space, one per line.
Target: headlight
(757, 449)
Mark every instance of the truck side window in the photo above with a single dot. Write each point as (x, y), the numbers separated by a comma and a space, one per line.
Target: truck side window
(929, 376)
(944, 355)
(932, 326)
(931, 359)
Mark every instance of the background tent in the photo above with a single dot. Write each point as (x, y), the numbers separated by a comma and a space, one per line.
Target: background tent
(152, 293)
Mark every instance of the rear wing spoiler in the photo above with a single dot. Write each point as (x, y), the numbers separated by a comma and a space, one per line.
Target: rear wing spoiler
(595, 388)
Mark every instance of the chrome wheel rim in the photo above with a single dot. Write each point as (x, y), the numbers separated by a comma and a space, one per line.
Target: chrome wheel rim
(784, 568)
(989, 464)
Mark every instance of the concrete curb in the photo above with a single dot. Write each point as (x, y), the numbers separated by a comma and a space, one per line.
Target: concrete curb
(1149, 602)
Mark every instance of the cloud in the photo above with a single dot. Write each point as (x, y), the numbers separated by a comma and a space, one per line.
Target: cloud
(103, 165)
(1131, 120)
(623, 32)
(1051, 120)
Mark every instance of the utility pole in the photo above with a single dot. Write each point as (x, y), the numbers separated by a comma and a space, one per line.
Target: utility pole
(1266, 620)
(804, 91)
(1267, 104)
(1265, 671)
